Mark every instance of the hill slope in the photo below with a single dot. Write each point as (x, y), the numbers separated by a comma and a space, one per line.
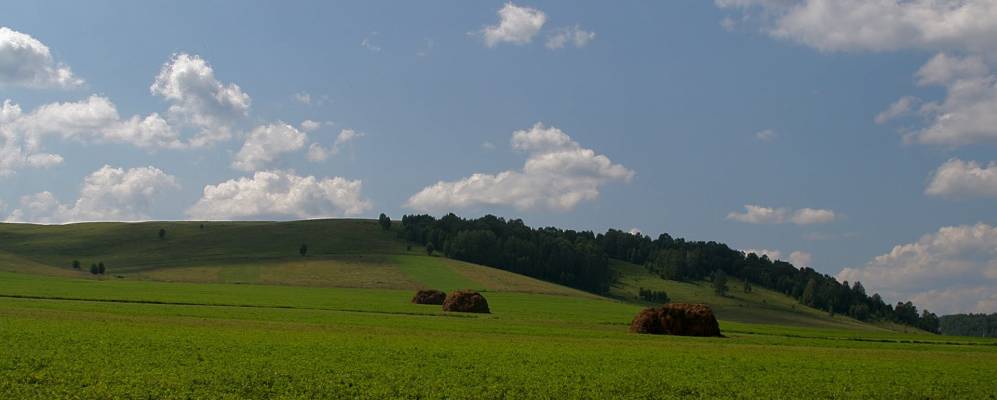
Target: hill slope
(760, 306)
(341, 253)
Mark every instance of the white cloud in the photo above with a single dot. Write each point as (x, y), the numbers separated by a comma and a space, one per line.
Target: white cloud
(108, 194)
(634, 231)
(92, 119)
(199, 99)
(317, 153)
(265, 144)
(808, 216)
(755, 214)
(488, 145)
(968, 114)
(766, 135)
(303, 98)
(896, 110)
(558, 175)
(800, 259)
(771, 254)
(347, 135)
(879, 25)
(957, 178)
(517, 25)
(309, 125)
(574, 35)
(25, 61)
(943, 69)
(280, 194)
(951, 270)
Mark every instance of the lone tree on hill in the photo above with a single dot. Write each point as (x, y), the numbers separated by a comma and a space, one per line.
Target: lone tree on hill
(384, 221)
(76, 264)
(303, 250)
(93, 269)
(100, 268)
(720, 283)
(162, 233)
(430, 248)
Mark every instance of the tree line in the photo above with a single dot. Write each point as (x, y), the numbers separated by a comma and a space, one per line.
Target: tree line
(580, 259)
(982, 325)
(678, 259)
(567, 257)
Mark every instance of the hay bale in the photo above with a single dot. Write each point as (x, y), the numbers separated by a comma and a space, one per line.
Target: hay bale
(677, 319)
(430, 296)
(466, 301)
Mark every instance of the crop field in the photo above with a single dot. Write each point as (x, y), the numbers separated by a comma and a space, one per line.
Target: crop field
(231, 310)
(73, 338)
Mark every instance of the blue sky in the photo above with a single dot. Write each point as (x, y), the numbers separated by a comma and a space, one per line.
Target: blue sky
(665, 117)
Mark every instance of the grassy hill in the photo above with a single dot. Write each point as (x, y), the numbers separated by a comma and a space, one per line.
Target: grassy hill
(342, 253)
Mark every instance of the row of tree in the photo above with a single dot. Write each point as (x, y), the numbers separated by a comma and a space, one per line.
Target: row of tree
(563, 256)
(984, 325)
(580, 259)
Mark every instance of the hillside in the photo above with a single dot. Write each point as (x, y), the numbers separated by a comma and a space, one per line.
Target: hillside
(760, 306)
(341, 253)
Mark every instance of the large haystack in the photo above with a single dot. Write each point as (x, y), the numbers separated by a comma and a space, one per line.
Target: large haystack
(466, 301)
(430, 296)
(677, 319)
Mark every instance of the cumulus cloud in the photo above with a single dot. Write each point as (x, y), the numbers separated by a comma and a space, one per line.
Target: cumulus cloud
(948, 271)
(558, 175)
(573, 35)
(108, 194)
(92, 119)
(896, 110)
(27, 62)
(280, 194)
(957, 178)
(517, 25)
(318, 153)
(968, 114)
(800, 259)
(878, 25)
(755, 214)
(199, 99)
(309, 125)
(265, 144)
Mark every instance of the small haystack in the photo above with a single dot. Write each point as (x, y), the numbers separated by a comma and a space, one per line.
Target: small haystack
(677, 319)
(430, 296)
(466, 301)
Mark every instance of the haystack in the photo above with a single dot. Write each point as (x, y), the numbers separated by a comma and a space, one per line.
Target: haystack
(677, 319)
(430, 296)
(466, 301)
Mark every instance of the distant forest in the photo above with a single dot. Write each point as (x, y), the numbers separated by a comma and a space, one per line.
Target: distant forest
(580, 259)
(981, 325)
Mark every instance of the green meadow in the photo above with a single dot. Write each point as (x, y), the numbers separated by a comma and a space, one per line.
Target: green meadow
(232, 310)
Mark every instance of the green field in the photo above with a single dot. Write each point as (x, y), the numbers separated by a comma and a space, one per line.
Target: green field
(232, 311)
